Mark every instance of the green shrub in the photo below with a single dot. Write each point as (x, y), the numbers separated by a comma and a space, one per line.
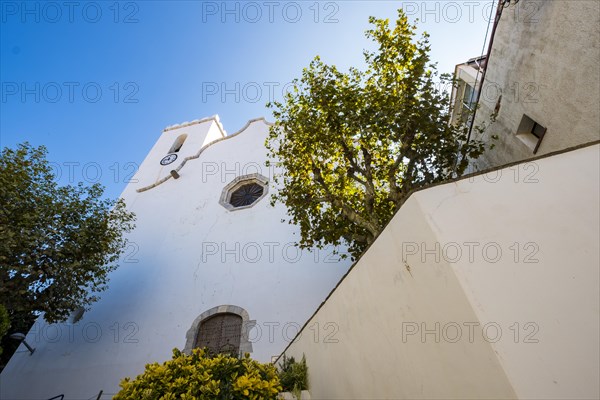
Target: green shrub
(199, 376)
(293, 375)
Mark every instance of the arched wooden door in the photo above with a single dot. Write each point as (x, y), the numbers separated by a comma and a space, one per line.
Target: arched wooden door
(220, 333)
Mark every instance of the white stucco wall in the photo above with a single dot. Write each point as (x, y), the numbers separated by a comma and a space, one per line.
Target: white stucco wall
(544, 63)
(513, 254)
(188, 254)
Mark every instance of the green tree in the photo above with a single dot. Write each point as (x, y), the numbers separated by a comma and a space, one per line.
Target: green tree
(4, 323)
(199, 376)
(354, 144)
(58, 242)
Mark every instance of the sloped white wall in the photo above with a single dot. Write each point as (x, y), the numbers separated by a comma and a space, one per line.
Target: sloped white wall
(487, 287)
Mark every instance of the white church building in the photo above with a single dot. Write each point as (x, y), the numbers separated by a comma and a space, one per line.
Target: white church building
(210, 263)
(484, 287)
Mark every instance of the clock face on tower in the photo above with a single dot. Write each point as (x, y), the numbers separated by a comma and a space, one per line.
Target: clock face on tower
(168, 159)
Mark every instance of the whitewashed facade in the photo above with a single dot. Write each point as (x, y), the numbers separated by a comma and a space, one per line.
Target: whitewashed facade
(191, 256)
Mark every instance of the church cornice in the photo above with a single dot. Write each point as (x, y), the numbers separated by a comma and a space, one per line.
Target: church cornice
(196, 122)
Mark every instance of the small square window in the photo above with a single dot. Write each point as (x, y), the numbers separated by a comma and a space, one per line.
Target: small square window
(531, 133)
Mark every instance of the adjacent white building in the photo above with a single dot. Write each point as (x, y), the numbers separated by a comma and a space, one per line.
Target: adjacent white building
(468, 77)
(209, 264)
(541, 91)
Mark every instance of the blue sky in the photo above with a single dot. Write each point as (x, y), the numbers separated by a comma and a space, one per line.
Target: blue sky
(96, 82)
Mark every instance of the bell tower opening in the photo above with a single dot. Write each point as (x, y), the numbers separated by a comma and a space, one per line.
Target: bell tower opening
(178, 143)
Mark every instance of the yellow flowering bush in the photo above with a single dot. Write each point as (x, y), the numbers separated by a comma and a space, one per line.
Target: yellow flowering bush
(200, 376)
